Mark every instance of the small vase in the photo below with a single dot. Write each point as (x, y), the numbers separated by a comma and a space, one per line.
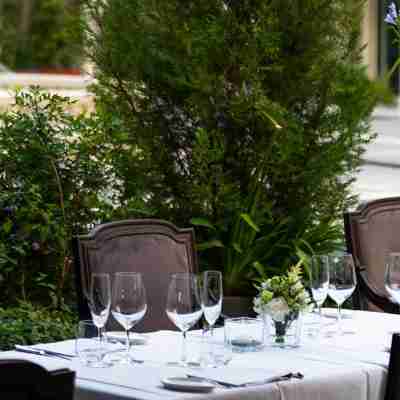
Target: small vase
(286, 333)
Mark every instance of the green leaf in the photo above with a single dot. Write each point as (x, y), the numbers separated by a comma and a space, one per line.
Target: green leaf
(209, 245)
(7, 226)
(202, 222)
(246, 217)
(237, 248)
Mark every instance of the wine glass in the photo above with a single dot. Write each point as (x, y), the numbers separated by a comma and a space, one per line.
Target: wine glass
(211, 301)
(319, 282)
(392, 276)
(342, 281)
(100, 302)
(183, 305)
(128, 303)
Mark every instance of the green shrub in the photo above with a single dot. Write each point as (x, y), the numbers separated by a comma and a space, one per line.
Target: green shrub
(213, 92)
(29, 324)
(55, 181)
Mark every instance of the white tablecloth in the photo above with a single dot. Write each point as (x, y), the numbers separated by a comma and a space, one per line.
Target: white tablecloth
(348, 367)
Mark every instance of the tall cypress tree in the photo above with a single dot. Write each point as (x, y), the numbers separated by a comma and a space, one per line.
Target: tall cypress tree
(212, 92)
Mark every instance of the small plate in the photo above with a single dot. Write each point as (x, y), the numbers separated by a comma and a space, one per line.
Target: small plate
(134, 338)
(185, 384)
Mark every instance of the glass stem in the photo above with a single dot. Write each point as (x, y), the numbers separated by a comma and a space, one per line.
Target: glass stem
(339, 319)
(128, 343)
(100, 333)
(211, 344)
(319, 310)
(183, 359)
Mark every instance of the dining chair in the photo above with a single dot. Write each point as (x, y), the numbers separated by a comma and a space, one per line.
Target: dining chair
(25, 380)
(155, 248)
(372, 231)
(393, 377)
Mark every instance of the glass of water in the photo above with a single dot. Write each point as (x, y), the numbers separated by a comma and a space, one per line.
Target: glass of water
(319, 284)
(90, 350)
(392, 276)
(184, 305)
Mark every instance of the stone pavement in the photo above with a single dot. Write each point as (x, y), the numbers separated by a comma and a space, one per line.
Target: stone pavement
(380, 174)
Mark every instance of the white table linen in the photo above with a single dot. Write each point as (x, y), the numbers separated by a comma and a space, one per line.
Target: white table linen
(349, 367)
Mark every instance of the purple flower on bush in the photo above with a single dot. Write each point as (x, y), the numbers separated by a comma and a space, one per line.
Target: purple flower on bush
(392, 14)
(35, 246)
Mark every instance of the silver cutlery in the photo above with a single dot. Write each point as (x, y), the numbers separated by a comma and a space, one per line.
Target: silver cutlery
(43, 352)
(286, 377)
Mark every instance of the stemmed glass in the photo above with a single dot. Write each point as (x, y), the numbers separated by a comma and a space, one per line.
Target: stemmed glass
(183, 305)
(342, 281)
(211, 299)
(128, 303)
(319, 282)
(392, 276)
(100, 301)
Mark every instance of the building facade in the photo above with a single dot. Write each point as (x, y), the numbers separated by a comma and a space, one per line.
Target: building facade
(380, 52)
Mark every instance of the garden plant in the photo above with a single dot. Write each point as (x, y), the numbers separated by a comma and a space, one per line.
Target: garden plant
(224, 98)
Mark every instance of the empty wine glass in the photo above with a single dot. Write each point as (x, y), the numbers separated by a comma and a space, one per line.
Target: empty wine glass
(392, 276)
(128, 303)
(183, 305)
(319, 283)
(211, 302)
(100, 302)
(342, 281)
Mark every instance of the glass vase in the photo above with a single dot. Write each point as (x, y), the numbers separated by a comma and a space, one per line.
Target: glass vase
(287, 332)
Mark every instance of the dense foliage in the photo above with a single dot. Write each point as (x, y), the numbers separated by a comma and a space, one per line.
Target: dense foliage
(54, 180)
(224, 98)
(29, 324)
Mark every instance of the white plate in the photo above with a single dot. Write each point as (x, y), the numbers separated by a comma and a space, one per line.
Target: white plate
(185, 384)
(134, 338)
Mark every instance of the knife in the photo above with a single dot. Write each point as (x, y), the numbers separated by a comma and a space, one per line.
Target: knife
(42, 352)
(286, 377)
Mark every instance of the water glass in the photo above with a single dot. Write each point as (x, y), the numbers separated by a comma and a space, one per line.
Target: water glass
(342, 282)
(392, 276)
(100, 300)
(129, 304)
(214, 353)
(90, 350)
(211, 301)
(183, 305)
(244, 334)
(319, 285)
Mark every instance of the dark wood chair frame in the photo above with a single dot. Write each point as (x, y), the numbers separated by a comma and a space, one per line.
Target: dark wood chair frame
(22, 379)
(365, 289)
(82, 245)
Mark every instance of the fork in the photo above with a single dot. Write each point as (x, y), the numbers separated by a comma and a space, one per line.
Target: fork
(43, 352)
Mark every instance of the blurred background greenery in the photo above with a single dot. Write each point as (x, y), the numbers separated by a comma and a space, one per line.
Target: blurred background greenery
(37, 35)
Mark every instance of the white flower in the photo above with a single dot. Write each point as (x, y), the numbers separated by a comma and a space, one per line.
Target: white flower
(278, 309)
(297, 286)
(258, 306)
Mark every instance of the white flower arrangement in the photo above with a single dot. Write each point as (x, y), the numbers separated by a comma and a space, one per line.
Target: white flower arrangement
(280, 296)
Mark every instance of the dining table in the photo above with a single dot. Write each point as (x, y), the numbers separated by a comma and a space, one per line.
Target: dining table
(348, 366)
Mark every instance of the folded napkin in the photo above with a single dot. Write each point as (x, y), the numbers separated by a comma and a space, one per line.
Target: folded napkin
(237, 377)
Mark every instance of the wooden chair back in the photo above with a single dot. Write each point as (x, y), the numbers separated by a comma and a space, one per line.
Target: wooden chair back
(372, 232)
(152, 247)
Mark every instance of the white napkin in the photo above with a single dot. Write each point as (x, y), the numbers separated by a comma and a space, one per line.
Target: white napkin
(239, 376)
